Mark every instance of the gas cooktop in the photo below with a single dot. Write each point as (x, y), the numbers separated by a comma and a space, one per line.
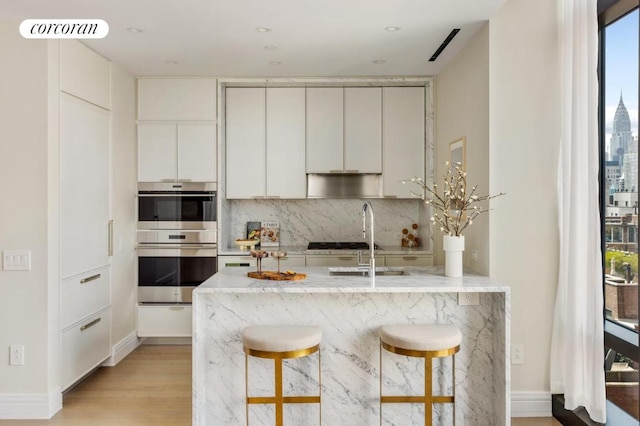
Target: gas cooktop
(332, 245)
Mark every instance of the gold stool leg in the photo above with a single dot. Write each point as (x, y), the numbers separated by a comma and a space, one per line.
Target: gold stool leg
(279, 399)
(320, 386)
(428, 391)
(453, 389)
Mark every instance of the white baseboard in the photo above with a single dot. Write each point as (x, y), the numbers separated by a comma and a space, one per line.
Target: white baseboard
(122, 349)
(30, 406)
(531, 404)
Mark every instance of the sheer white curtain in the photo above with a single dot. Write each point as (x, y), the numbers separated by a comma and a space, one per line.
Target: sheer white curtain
(577, 344)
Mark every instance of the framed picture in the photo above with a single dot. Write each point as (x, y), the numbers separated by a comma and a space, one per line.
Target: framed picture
(458, 152)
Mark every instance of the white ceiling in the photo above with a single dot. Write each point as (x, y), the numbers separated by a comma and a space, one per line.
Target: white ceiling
(313, 37)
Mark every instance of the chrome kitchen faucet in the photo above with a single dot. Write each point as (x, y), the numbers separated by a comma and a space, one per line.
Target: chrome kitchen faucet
(372, 261)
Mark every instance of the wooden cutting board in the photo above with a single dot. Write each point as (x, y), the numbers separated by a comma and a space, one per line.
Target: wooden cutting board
(273, 275)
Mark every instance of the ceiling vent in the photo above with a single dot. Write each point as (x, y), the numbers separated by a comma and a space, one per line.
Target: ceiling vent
(444, 44)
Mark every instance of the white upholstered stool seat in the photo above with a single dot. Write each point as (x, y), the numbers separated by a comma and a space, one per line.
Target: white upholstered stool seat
(280, 342)
(426, 341)
(280, 338)
(421, 337)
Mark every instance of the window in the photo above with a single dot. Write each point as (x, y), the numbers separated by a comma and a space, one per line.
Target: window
(619, 76)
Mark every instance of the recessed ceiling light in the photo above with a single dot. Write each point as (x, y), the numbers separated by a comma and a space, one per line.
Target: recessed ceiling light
(263, 29)
(275, 63)
(392, 28)
(379, 61)
(171, 62)
(135, 30)
(270, 47)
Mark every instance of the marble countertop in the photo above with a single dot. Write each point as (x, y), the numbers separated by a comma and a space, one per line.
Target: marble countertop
(303, 251)
(419, 280)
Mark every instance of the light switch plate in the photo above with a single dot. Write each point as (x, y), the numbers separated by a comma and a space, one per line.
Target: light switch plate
(468, 299)
(16, 260)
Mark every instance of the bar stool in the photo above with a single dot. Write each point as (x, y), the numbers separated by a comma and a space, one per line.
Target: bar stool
(426, 341)
(278, 343)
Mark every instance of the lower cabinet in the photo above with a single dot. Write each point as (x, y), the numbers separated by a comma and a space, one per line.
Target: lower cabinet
(85, 345)
(409, 260)
(341, 260)
(164, 320)
(85, 321)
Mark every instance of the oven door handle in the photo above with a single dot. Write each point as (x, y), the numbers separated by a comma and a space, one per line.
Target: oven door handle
(178, 246)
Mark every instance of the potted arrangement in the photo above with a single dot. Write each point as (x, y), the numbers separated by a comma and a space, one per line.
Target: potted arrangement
(455, 208)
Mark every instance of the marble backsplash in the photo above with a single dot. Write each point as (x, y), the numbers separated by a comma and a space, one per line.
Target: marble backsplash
(307, 220)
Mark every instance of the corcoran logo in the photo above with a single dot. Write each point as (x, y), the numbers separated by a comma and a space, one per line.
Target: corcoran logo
(64, 28)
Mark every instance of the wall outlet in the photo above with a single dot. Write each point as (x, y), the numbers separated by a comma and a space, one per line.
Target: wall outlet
(517, 354)
(16, 355)
(474, 255)
(468, 299)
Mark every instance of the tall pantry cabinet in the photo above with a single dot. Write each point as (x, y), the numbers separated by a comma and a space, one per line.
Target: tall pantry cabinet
(85, 226)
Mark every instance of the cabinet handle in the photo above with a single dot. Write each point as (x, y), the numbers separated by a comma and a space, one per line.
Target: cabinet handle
(345, 258)
(177, 308)
(167, 180)
(91, 278)
(110, 238)
(258, 197)
(184, 180)
(272, 196)
(390, 196)
(410, 257)
(237, 264)
(91, 324)
(352, 171)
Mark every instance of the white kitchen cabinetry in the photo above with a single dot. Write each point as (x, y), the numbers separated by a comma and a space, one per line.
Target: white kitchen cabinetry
(85, 74)
(176, 152)
(409, 260)
(268, 263)
(404, 139)
(341, 260)
(344, 130)
(164, 321)
(84, 186)
(265, 144)
(177, 99)
(285, 149)
(85, 316)
(245, 142)
(325, 131)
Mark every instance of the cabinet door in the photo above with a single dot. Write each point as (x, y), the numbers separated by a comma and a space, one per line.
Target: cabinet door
(325, 131)
(245, 142)
(286, 173)
(409, 260)
(197, 153)
(363, 129)
(404, 139)
(332, 260)
(157, 152)
(176, 99)
(84, 73)
(288, 262)
(164, 321)
(84, 186)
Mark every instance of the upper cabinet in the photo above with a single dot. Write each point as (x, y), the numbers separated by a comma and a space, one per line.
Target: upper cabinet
(177, 99)
(85, 74)
(176, 130)
(344, 130)
(265, 143)
(404, 139)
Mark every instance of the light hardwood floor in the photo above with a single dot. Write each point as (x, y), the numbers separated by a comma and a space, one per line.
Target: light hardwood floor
(152, 386)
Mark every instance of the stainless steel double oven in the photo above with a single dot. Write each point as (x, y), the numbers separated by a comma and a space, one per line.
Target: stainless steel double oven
(177, 239)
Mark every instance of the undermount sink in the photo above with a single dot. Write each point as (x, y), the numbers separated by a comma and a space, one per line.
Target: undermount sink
(363, 271)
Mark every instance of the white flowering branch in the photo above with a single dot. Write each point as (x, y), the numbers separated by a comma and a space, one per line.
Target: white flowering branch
(456, 208)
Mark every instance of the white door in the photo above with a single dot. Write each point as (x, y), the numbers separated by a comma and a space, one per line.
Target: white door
(245, 142)
(404, 139)
(325, 130)
(286, 174)
(363, 129)
(84, 185)
(197, 153)
(157, 152)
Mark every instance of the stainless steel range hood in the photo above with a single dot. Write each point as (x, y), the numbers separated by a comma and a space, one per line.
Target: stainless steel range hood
(344, 185)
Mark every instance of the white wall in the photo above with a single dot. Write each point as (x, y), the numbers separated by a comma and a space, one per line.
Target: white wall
(462, 99)
(123, 204)
(25, 313)
(524, 138)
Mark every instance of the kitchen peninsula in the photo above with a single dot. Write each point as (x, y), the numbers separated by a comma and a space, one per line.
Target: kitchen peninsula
(349, 311)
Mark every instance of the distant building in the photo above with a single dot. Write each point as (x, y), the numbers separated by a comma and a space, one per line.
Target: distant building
(621, 181)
